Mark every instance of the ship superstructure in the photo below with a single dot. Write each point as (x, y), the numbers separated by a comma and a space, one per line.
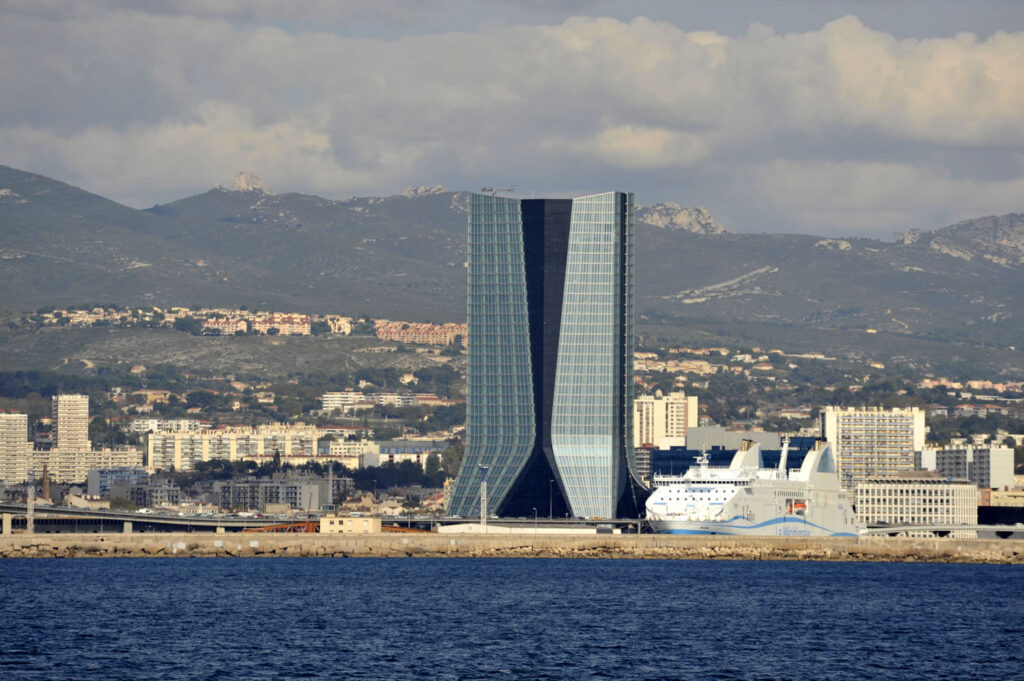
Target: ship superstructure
(745, 498)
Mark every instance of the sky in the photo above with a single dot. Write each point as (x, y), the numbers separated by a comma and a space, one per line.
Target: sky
(837, 118)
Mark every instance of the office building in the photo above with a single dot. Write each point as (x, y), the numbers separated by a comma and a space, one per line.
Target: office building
(872, 442)
(550, 358)
(71, 422)
(662, 421)
(15, 448)
(918, 500)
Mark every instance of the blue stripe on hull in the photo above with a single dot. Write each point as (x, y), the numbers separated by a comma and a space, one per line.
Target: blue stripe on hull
(729, 527)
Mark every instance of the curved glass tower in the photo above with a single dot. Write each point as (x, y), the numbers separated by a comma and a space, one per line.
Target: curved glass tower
(550, 376)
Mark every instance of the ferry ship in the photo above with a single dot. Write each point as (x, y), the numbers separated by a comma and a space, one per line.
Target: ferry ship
(748, 499)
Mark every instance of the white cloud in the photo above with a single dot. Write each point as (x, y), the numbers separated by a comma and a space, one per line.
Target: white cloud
(149, 106)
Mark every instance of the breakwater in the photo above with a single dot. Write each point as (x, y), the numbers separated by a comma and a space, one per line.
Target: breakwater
(525, 545)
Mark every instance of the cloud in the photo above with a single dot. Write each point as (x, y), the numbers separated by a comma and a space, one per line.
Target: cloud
(627, 146)
(875, 199)
(147, 105)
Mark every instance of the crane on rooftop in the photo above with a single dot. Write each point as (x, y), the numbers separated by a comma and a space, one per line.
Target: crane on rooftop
(494, 190)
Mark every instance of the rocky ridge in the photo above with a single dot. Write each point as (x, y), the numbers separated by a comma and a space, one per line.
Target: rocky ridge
(996, 238)
(672, 216)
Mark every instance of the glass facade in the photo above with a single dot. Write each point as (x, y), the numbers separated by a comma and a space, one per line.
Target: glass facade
(499, 384)
(550, 334)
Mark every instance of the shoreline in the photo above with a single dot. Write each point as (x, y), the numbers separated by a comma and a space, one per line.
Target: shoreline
(524, 545)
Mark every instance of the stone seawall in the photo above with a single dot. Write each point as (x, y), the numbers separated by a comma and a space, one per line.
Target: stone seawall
(1001, 551)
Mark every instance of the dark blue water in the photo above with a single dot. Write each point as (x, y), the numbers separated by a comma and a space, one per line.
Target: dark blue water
(507, 619)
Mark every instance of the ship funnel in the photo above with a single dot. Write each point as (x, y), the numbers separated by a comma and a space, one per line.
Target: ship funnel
(784, 458)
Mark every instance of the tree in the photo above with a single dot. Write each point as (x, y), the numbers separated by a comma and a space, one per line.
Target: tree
(204, 399)
(433, 467)
(122, 504)
(273, 331)
(451, 458)
(317, 328)
(188, 324)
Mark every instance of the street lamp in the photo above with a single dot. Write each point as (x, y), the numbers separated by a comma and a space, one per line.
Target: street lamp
(535, 520)
(551, 495)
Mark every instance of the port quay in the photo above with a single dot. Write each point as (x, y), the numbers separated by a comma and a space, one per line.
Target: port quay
(522, 541)
(520, 545)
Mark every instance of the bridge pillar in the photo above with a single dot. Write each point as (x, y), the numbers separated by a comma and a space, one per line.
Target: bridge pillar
(127, 528)
(7, 523)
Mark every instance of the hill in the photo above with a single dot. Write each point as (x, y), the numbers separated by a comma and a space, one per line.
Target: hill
(403, 257)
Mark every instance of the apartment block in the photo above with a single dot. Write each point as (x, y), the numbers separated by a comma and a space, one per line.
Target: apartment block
(183, 449)
(286, 324)
(661, 421)
(15, 448)
(872, 442)
(987, 467)
(71, 422)
(74, 465)
(297, 493)
(414, 332)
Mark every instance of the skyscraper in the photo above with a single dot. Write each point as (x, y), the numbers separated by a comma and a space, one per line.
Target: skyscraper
(71, 422)
(550, 372)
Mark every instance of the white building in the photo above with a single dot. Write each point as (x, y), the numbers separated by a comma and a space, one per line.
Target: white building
(918, 501)
(143, 426)
(987, 467)
(343, 401)
(71, 422)
(354, 454)
(872, 442)
(662, 421)
(182, 449)
(351, 401)
(63, 465)
(15, 448)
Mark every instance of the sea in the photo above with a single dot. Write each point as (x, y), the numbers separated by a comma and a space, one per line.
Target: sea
(324, 618)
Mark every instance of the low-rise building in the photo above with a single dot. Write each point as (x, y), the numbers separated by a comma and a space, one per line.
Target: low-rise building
(337, 524)
(918, 500)
(100, 480)
(154, 493)
(1010, 497)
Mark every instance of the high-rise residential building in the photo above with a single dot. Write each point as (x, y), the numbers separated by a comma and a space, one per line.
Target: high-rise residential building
(661, 421)
(871, 442)
(550, 373)
(15, 448)
(71, 422)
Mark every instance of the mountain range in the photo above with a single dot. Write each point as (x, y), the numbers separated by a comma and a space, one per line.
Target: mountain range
(403, 256)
